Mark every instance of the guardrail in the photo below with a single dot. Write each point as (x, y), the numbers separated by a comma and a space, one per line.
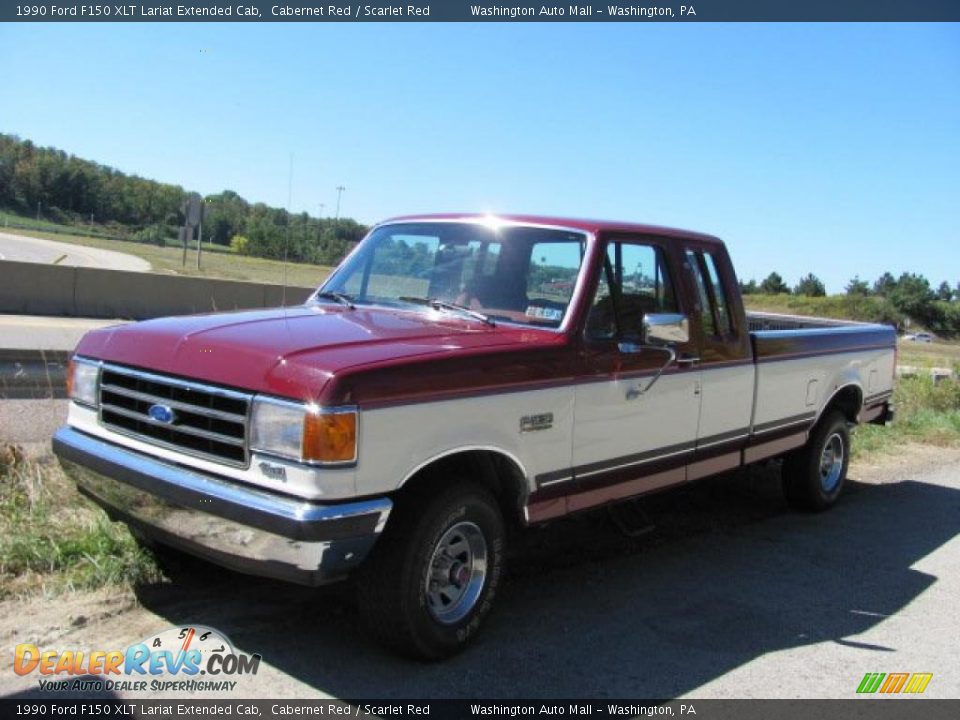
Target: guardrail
(37, 289)
(32, 374)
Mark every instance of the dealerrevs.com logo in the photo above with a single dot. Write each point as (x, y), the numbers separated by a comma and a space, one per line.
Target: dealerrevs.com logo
(181, 659)
(894, 683)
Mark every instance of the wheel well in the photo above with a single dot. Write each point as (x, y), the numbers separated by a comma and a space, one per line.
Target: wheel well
(496, 472)
(848, 400)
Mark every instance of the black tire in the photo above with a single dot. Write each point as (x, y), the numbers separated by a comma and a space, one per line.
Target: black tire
(810, 475)
(393, 591)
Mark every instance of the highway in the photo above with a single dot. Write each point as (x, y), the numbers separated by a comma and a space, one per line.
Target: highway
(37, 250)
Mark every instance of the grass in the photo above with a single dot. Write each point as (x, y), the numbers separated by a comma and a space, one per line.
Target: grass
(14, 222)
(843, 307)
(927, 413)
(927, 355)
(216, 262)
(53, 540)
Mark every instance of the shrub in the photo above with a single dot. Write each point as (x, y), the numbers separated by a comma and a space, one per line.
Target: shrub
(240, 244)
(153, 235)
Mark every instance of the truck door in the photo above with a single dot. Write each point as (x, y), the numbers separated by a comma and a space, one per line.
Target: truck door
(634, 431)
(727, 370)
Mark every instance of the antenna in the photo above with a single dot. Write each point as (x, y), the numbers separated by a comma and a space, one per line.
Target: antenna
(286, 244)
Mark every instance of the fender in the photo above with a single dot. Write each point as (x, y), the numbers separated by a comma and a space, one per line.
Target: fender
(468, 448)
(836, 392)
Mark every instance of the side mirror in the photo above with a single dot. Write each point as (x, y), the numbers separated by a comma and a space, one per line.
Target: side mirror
(666, 328)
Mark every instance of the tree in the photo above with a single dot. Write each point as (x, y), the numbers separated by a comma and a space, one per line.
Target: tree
(749, 288)
(69, 189)
(811, 286)
(945, 292)
(857, 287)
(226, 214)
(774, 285)
(884, 285)
(913, 296)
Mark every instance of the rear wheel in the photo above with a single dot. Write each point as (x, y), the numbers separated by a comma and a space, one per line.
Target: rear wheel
(431, 579)
(814, 475)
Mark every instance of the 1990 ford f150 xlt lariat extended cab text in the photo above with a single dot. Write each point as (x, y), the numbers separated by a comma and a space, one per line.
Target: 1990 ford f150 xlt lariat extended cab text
(455, 377)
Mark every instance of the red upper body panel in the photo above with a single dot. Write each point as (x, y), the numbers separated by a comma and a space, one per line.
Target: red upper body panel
(334, 355)
(295, 352)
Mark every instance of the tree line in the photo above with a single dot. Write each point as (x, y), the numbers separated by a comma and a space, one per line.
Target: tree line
(888, 299)
(66, 189)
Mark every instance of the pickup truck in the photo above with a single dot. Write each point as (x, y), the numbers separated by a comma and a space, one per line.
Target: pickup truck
(456, 378)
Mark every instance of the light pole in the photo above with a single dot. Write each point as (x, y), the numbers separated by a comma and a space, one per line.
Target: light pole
(340, 189)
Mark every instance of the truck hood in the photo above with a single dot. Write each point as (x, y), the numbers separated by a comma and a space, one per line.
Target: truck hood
(295, 352)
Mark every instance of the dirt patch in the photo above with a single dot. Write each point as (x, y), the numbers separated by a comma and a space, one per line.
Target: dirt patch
(910, 459)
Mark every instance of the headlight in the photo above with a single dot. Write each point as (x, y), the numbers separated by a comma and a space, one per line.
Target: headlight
(83, 376)
(305, 433)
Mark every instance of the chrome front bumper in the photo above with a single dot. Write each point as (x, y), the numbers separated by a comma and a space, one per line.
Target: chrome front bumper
(239, 527)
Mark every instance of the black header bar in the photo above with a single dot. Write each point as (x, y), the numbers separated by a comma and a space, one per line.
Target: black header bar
(484, 11)
(175, 708)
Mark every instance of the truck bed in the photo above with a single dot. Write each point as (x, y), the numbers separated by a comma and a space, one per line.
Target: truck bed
(803, 361)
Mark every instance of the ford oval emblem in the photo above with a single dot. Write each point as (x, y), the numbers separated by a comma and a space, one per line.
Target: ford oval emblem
(162, 414)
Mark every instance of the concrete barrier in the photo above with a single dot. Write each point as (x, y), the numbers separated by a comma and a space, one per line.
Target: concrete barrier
(33, 374)
(938, 374)
(37, 289)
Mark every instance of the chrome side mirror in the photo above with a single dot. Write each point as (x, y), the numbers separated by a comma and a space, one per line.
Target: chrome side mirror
(666, 328)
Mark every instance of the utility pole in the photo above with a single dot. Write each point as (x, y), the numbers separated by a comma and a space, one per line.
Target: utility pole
(203, 211)
(340, 189)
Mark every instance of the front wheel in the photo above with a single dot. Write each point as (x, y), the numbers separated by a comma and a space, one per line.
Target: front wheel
(814, 475)
(431, 579)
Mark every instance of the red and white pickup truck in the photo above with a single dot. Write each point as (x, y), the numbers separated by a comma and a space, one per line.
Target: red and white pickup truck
(455, 377)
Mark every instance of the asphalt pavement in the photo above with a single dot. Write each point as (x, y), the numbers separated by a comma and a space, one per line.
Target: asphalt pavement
(731, 596)
(34, 353)
(37, 250)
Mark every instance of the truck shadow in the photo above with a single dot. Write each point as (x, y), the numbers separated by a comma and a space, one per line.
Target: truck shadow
(728, 575)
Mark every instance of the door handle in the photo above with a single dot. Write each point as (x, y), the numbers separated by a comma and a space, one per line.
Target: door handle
(687, 359)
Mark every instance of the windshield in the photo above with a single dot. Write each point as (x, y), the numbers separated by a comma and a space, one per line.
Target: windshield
(516, 274)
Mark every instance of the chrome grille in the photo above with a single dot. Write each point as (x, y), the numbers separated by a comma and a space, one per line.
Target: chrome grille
(208, 421)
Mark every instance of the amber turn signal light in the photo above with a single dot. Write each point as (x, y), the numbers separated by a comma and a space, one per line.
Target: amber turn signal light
(330, 437)
(71, 369)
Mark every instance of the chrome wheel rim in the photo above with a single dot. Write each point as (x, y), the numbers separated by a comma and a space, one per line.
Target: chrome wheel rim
(456, 574)
(831, 463)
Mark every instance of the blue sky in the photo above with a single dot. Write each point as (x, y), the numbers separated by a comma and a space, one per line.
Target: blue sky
(825, 148)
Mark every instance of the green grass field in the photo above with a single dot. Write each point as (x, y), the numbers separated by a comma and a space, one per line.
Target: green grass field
(926, 355)
(927, 413)
(216, 261)
(14, 223)
(53, 540)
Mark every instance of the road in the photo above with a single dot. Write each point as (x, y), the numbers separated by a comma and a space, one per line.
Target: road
(731, 596)
(37, 250)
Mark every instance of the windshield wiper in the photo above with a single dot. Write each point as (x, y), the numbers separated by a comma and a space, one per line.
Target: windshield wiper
(438, 304)
(339, 297)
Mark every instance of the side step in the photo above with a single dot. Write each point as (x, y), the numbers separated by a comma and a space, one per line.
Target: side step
(631, 519)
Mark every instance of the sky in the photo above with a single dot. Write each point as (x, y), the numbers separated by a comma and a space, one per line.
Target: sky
(825, 148)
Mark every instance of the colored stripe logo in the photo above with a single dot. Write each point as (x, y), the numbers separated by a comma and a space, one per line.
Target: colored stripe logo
(894, 683)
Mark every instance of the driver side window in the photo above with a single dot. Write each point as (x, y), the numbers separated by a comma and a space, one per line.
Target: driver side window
(635, 281)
